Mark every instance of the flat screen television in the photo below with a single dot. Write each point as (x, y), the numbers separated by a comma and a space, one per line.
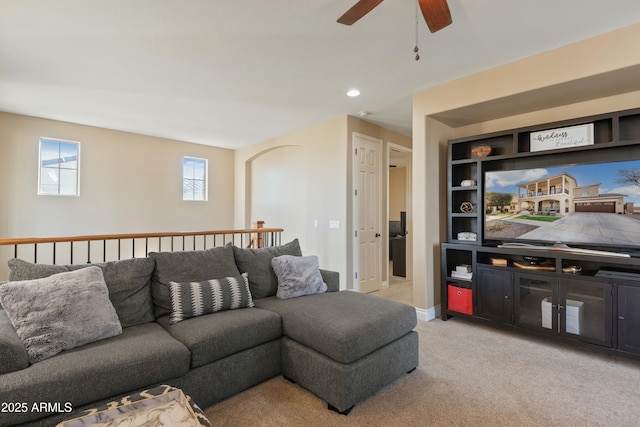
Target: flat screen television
(592, 206)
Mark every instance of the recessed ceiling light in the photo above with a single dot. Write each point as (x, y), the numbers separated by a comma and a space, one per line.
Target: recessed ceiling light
(353, 92)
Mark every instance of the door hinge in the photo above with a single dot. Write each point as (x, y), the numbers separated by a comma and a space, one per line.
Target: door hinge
(356, 192)
(356, 233)
(356, 151)
(356, 274)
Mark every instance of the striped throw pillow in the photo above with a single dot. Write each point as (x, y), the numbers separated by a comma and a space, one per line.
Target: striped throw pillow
(192, 299)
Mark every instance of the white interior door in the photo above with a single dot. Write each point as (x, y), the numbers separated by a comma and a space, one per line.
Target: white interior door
(368, 203)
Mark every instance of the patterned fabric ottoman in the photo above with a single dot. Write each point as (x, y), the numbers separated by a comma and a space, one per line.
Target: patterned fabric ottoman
(160, 406)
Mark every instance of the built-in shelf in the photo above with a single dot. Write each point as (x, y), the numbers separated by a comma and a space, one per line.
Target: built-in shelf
(545, 299)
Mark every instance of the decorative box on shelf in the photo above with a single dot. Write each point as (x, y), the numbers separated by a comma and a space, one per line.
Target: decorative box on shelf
(468, 236)
(501, 262)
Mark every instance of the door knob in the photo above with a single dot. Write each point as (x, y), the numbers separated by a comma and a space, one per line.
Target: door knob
(378, 234)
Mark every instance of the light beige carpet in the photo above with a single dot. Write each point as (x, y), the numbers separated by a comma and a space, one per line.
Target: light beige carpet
(469, 375)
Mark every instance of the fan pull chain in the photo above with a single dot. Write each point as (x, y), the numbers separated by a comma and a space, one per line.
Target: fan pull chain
(416, 49)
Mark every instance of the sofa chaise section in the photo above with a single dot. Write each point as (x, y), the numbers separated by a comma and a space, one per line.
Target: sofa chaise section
(345, 346)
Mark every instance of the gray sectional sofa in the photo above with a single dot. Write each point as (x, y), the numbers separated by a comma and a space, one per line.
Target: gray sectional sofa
(342, 346)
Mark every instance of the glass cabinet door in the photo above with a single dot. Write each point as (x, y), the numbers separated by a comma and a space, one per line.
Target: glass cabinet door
(533, 300)
(586, 310)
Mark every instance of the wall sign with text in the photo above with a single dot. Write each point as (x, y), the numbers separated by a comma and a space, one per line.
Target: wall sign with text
(567, 137)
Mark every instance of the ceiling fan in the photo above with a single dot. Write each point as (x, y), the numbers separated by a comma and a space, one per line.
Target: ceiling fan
(435, 12)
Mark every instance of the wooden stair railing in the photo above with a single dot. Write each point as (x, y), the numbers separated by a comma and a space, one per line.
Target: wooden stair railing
(110, 247)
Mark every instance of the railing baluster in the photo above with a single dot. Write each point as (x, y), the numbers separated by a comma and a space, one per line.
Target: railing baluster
(88, 251)
(104, 250)
(54, 253)
(35, 253)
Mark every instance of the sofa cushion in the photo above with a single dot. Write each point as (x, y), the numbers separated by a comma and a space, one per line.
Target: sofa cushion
(297, 276)
(188, 266)
(343, 326)
(60, 312)
(218, 335)
(141, 356)
(128, 282)
(257, 262)
(13, 353)
(194, 299)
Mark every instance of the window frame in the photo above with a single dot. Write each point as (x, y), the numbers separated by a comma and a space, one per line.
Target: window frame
(204, 180)
(76, 192)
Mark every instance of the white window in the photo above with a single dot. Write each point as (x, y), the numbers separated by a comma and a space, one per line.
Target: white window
(194, 178)
(59, 167)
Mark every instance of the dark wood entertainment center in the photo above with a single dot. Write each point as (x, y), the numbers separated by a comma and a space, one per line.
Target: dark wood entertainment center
(587, 299)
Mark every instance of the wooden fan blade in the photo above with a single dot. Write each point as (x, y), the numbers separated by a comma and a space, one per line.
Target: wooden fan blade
(358, 11)
(436, 13)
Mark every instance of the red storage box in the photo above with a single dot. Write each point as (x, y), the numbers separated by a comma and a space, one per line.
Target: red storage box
(460, 299)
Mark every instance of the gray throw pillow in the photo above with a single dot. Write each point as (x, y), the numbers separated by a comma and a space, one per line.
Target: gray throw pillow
(257, 263)
(298, 276)
(60, 312)
(128, 281)
(188, 266)
(13, 354)
(198, 298)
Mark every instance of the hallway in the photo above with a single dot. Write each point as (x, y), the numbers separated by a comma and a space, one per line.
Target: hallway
(400, 289)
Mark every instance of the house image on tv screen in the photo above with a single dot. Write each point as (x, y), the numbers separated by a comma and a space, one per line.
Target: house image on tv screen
(560, 194)
(592, 204)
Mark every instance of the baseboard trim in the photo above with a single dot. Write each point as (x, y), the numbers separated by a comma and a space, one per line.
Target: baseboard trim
(385, 285)
(429, 313)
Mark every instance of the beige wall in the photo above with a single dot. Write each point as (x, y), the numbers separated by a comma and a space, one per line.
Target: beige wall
(578, 80)
(296, 181)
(280, 189)
(129, 183)
(397, 193)
(301, 181)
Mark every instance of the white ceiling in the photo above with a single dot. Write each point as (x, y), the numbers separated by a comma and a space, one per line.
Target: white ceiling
(231, 73)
